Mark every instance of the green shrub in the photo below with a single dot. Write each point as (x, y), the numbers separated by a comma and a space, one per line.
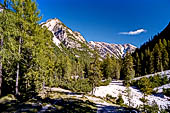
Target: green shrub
(80, 85)
(165, 80)
(154, 108)
(166, 92)
(156, 81)
(120, 100)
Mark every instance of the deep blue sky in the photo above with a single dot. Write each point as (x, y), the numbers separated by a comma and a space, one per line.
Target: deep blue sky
(103, 20)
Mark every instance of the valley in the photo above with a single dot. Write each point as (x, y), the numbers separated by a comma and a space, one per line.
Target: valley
(46, 66)
(62, 100)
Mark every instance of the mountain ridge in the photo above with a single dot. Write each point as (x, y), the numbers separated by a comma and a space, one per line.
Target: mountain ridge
(118, 50)
(73, 39)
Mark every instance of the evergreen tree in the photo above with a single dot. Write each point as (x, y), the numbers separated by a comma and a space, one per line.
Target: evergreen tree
(66, 68)
(1, 75)
(157, 58)
(95, 73)
(1, 47)
(127, 69)
(116, 67)
(26, 9)
(151, 63)
(168, 50)
(120, 100)
(161, 46)
(107, 67)
(146, 61)
(29, 48)
(8, 52)
(137, 66)
(164, 42)
(165, 59)
(142, 64)
(129, 95)
(4, 5)
(146, 88)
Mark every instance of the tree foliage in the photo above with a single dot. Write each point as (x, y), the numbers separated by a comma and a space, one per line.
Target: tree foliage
(95, 74)
(153, 56)
(127, 70)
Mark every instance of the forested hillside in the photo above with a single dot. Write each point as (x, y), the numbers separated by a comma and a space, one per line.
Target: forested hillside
(154, 55)
(30, 60)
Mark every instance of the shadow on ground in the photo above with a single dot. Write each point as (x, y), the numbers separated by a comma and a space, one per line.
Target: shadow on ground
(115, 109)
(48, 105)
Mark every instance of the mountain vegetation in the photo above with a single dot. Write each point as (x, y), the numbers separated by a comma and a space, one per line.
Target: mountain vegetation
(153, 56)
(30, 60)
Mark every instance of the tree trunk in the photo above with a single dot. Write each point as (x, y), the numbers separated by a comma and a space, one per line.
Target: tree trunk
(18, 66)
(144, 102)
(1, 44)
(92, 88)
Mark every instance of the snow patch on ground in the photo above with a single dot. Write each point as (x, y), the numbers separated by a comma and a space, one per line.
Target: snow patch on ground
(160, 89)
(115, 88)
(167, 72)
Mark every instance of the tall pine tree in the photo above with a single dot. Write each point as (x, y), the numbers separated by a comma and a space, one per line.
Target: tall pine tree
(95, 73)
(157, 58)
(128, 71)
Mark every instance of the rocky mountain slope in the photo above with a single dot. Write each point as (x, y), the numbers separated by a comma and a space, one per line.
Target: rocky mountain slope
(113, 49)
(63, 34)
(73, 39)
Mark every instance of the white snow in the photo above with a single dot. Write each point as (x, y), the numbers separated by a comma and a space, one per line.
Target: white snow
(167, 72)
(56, 41)
(92, 43)
(117, 50)
(160, 89)
(51, 25)
(114, 89)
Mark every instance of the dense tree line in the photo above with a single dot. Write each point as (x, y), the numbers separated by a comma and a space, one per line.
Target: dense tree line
(154, 55)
